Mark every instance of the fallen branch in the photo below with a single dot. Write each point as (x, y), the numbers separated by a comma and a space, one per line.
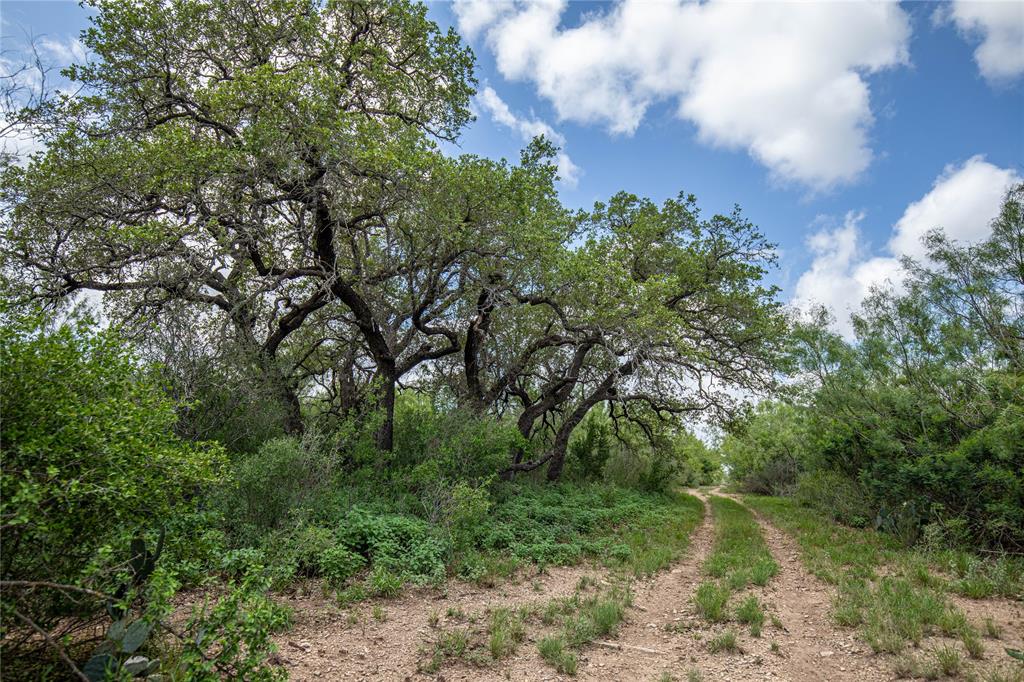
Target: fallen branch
(52, 644)
(644, 650)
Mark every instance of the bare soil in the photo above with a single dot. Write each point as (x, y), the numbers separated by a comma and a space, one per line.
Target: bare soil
(661, 633)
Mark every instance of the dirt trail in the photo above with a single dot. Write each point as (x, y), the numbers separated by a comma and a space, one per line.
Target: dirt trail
(661, 634)
(664, 600)
(810, 646)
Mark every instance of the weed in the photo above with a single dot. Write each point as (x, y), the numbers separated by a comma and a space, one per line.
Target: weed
(726, 641)
(750, 612)
(449, 645)
(710, 600)
(352, 594)
(553, 650)
(948, 660)
(694, 675)
(775, 648)
(972, 643)
(433, 619)
(905, 667)
(993, 629)
(953, 623)
(506, 632)
(379, 614)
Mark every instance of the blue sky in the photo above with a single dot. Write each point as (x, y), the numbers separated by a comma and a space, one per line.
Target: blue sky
(844, 130)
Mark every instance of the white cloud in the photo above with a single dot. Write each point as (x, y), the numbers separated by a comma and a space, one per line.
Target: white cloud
(841, 275)
(782, 80)
(529, 128)
(963, 201)
(64, 52)
(1000, 56)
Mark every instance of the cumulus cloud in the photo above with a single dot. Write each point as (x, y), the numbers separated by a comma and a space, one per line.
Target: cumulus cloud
(1000, 25)
(842, 274)
(963, 201)
(529, 128)
(784, 81)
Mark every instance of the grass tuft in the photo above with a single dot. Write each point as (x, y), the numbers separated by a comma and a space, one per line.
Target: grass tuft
(750, 612)
(726, 641)
(710, 599)
(553, 650)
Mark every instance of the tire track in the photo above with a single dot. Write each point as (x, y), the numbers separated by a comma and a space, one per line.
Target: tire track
(663, 600)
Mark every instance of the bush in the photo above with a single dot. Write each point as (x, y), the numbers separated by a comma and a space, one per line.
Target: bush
(836, 495)
(90, 460)
(449, 445)
(230, 639)
(403, 545)
(590, 447)
(268, 485)
(339, 564)
(774, 477)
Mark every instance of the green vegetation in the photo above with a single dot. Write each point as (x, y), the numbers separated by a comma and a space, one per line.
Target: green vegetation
(331, 348)
(751, 612)
(710, 600)
(553, 650)
(506, 632)
(725, 641)
(880, 586)
(916, 428)
(739, 558)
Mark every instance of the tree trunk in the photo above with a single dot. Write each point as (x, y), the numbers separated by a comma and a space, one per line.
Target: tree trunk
(386, 432)
(561, 444)
(293, 424)
(601, 392)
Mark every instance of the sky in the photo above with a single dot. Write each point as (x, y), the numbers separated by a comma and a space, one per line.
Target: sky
(844, 130)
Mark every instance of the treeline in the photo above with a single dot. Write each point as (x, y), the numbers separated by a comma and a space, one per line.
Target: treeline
(917, 426)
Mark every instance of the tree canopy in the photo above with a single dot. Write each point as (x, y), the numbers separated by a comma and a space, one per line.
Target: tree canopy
(272, 172)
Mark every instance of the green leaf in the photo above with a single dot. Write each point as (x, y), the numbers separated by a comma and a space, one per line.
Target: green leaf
(135, 636)
(117, 630)
(96, 667)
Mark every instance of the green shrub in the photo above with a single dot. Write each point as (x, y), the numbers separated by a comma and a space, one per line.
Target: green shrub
(338, 564)
(552, 650)
(269, 485)
(233, 634)
(403, 545)
(384, 583)
(836, 495)
(710, 600)
(90, 460)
